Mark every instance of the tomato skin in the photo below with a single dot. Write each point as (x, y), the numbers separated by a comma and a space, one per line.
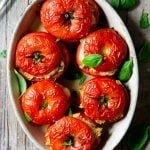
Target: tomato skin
(94, 8)
(109, 44)
(47, 91)
(97, 131)
(49, 50)
(53, 18)
(69, 126)
(116, 103)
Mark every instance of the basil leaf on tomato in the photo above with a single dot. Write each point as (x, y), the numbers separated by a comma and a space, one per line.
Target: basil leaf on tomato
(3, 54)
(126, 70)
(21, 82)
(27, 117)
(144, 53)
(92, 60)
(137, 137)
(144, 21)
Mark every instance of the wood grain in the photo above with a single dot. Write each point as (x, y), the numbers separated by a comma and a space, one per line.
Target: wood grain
(12, 136)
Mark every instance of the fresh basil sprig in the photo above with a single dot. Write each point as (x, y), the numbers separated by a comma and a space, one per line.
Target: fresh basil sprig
(123, 4)
(144, 53)
(21, 82)
(144, 20)
(92, 60)
(27, 117)
(3, 53)
(126, 70)
(137, 137)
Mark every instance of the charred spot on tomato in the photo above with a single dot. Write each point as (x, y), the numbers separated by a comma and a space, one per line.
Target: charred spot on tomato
(69, 141)
(44, 105)
(36, 57)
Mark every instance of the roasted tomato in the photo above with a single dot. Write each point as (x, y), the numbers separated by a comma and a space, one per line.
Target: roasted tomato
(97, 131)
(109, 45)
(69, 20)
(104, 99)
(39, 56)
(45, 102)
(69, 133)
(95, 10)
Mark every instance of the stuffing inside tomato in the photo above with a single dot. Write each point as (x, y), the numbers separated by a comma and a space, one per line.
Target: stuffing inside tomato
(45, 102)
(105, 49)
(69, 20)
(69, 133)
(39, 56)
(104, 99)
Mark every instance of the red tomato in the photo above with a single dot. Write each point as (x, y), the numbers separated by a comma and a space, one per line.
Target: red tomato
(94, 8)
(107, 43)
(97, 131)
(45, 102)
(69, 133)
(68, 20)
(38, 57)
(104, 99)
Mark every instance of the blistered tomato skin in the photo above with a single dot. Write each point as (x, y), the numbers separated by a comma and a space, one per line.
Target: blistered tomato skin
(45, 102)
(104, 99)
(107, 43)
(38, 57)
(69, 133)
(95, 10)
(68, 20)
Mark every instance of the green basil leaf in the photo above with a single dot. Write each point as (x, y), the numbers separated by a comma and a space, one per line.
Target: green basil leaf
(92, 60)
(127, 4)
(123, 4)
(137, 137)
(82, 79)
(27, 117)
(115, 3)
(69, 141)
(144, 53)
(21, 81)
(126, 71)
(70, 112)
(144, 21)
(3, 53)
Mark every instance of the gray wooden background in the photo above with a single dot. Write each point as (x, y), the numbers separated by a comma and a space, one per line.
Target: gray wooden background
(11, 135)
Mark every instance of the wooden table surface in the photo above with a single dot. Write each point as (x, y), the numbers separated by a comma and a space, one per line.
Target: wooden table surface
(12, 136)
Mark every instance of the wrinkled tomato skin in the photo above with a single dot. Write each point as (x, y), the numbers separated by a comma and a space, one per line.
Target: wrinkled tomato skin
(51, 51)
(94, 126)
(116, 104)
(52, 18)
(109, 44)
(95, 10)
(42, 91)
(69, 126)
